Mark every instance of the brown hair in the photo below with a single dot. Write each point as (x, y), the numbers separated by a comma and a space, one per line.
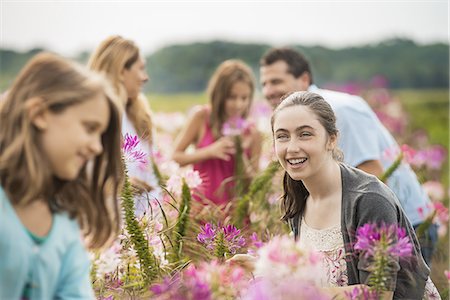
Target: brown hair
(228, 73)
(297, 63)
(112, 56)
(24, 174)
(295, 192)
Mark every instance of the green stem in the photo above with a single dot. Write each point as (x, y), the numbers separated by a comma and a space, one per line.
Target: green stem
(219, 242)
(258, 184)
(182, 223)
(392, 167)
(239, 167)
(380, 272)
(147, 260)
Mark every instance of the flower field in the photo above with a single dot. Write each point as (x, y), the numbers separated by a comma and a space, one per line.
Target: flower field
(182, 249)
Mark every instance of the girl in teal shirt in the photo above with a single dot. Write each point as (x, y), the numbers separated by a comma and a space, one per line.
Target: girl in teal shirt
(60, 169)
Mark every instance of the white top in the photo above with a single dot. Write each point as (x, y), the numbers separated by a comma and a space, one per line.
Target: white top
(330, 243)
(145, 174)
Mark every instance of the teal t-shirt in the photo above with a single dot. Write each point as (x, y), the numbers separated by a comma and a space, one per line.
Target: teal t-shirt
(56, 268)
(27, 290)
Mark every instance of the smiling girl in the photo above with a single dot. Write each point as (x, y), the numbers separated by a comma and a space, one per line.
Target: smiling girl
(326, 201)
(60, 169)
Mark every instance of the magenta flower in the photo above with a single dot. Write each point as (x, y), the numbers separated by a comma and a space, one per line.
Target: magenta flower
(436, 156)
(403, 246)
(408, 153)
(207, 235)
(261, 109)
(435, 190)
(288, 289)
(432, 157)
(131, 151)
(441, 212)
(232, 237)
(209, 280)
(164, 286)
(386, 239)
(235, 126)
(361, 293)
(256, 241)
(367, 237)
(188, 285)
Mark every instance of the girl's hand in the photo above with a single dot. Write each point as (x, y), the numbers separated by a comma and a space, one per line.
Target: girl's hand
(248, 139)
(139, 185)
(245, 261)
(223, 148)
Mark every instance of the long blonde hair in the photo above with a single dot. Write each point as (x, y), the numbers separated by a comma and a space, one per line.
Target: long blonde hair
(24, 170)
(111, 57)
(219, 88)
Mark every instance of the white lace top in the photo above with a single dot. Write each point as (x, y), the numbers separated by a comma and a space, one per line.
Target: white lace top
(330, 243)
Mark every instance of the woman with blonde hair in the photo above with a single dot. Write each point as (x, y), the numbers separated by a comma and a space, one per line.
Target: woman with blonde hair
(121, 62)
(60, 172)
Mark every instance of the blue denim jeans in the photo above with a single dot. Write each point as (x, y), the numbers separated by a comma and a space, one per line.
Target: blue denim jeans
(428, 242)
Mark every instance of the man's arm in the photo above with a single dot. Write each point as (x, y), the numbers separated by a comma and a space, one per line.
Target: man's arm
(373, 167)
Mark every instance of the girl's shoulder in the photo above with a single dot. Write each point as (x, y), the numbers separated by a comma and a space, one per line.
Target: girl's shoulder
(357, 181)
(200, 110)
(200, 113)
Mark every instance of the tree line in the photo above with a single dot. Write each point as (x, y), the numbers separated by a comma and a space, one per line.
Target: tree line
(187, 67)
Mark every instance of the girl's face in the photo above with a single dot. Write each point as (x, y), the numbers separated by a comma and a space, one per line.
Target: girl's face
(72, 137)
(239, 100)
(134, 78)
(302, 144)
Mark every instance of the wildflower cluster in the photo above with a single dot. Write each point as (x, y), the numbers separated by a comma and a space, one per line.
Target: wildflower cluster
(131, 151)
(210, 280)
(382, 245)
(221, 240)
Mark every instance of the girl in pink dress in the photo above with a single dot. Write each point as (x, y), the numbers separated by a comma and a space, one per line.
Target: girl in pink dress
(230, 92)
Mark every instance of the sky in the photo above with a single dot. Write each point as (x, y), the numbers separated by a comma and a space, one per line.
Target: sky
(69, 27)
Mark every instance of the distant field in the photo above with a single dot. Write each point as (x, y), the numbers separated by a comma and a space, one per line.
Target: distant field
(428, 109)
(175, 102)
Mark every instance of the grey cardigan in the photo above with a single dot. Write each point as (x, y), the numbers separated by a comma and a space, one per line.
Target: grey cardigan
(366, 199)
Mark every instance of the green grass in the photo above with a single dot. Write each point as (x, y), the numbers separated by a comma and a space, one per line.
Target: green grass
(175, 102)
(428, 109)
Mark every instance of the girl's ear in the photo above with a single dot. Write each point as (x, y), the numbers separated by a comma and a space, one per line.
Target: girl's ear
(122, 75)
(37, 112)
(332, 142)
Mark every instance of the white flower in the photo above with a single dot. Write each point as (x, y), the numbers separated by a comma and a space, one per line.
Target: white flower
(108, 260)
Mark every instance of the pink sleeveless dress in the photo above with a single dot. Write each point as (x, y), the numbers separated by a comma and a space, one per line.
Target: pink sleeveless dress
(216, 174)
